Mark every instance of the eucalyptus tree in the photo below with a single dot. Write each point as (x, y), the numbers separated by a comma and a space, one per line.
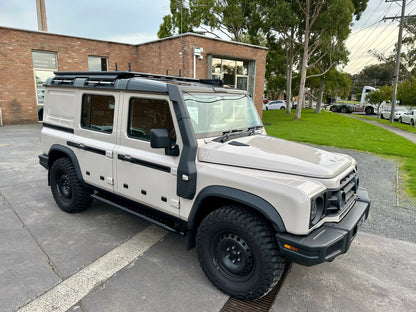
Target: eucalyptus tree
(313, 32)
(237, 20)
(281, 23)
(323, 22)
(337, 55)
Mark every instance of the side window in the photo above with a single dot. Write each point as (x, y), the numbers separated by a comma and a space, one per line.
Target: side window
(147, 114)
(97, 112)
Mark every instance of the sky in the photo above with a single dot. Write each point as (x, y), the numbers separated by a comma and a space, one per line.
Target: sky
(371, 33)
(137, 21)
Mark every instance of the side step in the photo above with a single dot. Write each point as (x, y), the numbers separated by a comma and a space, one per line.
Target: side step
(167, 222)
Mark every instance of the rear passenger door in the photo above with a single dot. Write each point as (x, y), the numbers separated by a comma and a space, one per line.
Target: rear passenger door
(96, 137)
(146, 174)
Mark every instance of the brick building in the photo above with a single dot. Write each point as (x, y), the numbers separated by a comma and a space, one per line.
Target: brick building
(27, 58)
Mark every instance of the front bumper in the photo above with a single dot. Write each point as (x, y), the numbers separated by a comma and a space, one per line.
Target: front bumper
(328, 241)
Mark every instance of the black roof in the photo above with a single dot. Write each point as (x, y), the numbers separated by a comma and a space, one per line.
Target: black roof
(124, 80)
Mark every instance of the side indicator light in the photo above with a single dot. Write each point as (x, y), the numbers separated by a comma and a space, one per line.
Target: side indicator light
(290, 247)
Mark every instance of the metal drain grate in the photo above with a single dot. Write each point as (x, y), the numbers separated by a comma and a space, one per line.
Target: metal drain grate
(261, 305)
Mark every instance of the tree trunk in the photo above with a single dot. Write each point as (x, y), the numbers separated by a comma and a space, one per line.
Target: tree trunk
(289, 73)
(310, 100)
(304, 64)
(320, 95)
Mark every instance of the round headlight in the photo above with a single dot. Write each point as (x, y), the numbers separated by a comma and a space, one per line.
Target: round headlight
(317, 208)
(314, 209)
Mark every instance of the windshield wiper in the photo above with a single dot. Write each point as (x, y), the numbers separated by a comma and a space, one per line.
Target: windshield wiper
(239, 132)
(252, 130)
(226, 135)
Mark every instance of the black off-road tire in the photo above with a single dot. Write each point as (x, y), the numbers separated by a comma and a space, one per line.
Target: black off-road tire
(238, 252)
(68, 192)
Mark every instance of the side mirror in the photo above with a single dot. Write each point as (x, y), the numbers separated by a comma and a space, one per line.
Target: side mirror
(159, 138)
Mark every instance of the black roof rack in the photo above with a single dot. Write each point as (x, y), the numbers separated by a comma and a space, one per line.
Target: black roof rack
(110, 77)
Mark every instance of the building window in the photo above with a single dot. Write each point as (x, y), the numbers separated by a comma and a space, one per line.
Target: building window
(97, 112)
(97, 63)
(233, 73)
(44, 65)
(148, 114)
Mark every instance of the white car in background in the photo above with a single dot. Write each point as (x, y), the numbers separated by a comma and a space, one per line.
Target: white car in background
(277, 104)
(408, 117)
(398, 112)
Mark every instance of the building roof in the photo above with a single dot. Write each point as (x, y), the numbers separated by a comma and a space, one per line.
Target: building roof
(144, 43)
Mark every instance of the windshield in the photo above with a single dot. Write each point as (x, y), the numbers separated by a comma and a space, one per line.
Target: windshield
(213, 114)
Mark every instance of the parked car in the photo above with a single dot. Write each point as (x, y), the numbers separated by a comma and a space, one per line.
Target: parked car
(398, 112)
(408, 117)
(278, 104)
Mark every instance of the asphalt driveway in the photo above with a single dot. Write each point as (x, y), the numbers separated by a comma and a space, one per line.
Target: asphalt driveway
(106, 260)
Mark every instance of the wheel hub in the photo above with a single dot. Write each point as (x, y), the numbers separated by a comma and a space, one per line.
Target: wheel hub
(64, 186)
(233, 255)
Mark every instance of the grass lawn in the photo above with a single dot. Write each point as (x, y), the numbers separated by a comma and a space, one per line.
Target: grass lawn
(336, 130)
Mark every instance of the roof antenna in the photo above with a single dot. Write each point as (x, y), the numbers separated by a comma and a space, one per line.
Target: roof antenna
(129, 66)
(116, 67)
(167, 72)
(180, 72)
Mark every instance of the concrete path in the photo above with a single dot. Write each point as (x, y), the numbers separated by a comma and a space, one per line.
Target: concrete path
(106, 260)
(403, 133)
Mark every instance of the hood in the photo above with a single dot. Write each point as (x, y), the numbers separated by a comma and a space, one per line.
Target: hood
(273, 154)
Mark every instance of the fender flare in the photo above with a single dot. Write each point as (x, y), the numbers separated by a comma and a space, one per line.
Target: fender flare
(60, 149)
(248, 199)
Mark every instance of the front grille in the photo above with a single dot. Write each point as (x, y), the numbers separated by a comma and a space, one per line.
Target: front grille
(342, 198)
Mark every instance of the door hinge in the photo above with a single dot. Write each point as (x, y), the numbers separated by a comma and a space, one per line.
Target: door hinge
(109, 154)
(110, 180)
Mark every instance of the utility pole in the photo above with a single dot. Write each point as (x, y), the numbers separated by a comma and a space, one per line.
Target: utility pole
(41, 10)
(397, 66)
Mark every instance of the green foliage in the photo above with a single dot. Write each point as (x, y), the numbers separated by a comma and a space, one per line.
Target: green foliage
(406, 92)
(275, 67)
(409, 41)
(379, 74)
(166, 29)
(337, 83)
(181, 20)
(385, 93)
(237, 19)
(350, 134)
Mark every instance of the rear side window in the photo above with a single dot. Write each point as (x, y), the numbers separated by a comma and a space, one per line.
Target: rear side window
(98, 112)
(148, 114)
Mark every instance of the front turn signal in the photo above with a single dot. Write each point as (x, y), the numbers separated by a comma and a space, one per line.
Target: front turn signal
(290, 247)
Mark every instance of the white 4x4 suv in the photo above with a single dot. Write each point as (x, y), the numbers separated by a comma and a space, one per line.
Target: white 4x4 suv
(194, 157)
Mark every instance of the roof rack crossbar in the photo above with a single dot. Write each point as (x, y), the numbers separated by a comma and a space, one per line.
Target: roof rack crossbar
(114, 75)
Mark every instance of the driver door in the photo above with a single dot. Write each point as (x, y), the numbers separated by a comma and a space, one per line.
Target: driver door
(145, 174)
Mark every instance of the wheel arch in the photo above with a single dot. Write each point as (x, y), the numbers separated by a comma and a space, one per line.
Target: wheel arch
(58, 151)
(213, 197)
